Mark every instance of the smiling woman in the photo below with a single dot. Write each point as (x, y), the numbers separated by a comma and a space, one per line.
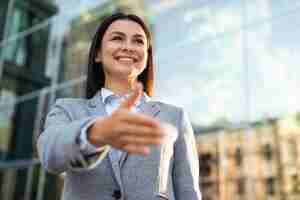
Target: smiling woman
(110, 30)
(123, 54)
(113, 143)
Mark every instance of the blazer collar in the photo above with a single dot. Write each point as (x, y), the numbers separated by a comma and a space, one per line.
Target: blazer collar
(97, 107)
(150, 108)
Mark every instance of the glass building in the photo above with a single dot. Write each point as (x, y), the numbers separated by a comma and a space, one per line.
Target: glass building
(232, 64)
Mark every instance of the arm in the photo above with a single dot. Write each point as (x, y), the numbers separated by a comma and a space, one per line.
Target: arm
(59, 144)
(186, 165)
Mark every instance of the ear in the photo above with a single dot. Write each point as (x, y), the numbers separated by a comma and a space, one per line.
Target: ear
(98, 57)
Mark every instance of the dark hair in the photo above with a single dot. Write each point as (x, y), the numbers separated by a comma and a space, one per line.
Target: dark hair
(95, 74)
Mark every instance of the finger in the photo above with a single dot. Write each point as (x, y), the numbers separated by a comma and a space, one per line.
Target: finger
(137, 149)
(139, 119)
(134, 140)
(141, 131)
(132, 99)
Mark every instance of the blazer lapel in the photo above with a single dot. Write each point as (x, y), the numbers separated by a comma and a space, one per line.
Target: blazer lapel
(97, 108)
(149, 108)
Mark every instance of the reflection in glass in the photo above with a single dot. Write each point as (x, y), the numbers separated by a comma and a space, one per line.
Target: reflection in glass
(7, 98)
(17, 50)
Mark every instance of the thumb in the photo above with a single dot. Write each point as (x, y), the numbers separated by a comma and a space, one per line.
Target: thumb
(137, 90)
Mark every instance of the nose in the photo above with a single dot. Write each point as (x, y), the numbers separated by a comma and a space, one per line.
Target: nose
(127, 46)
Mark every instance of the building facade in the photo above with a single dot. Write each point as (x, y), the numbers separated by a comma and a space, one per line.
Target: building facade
(256, 162)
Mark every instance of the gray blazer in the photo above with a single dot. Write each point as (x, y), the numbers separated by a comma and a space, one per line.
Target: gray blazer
(136, 178)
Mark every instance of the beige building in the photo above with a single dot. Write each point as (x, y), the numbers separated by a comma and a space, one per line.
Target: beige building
(256, 162)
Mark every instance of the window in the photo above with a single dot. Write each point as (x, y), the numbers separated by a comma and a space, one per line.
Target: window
(238, 156)
(296, 184)
(267, 152)
(15, 51)
(270, 186)
(7, 98)
(205, 164)
(29, 50)
(241, 186)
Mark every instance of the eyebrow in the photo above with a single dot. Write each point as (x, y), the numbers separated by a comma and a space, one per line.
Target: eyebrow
(123, 34)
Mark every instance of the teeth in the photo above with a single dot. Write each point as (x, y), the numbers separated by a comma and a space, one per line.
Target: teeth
(126, 59)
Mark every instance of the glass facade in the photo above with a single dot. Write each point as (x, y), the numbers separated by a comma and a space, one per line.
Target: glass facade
(232, 64)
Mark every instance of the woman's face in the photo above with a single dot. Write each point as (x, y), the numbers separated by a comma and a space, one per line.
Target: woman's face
(123, 50)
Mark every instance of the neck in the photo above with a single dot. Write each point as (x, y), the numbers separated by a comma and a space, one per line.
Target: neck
(119, 87)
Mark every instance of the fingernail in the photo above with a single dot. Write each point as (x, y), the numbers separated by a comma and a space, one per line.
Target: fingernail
(139, 85)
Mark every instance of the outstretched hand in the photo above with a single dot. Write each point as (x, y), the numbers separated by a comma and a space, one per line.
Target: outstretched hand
(126, 130)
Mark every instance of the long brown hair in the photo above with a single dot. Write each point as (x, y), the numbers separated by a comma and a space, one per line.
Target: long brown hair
(95, 73)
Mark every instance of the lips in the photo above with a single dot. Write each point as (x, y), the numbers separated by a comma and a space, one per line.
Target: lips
(126, 59)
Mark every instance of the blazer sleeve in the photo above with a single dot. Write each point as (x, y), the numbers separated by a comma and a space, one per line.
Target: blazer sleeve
(186, 164)
(59, 144)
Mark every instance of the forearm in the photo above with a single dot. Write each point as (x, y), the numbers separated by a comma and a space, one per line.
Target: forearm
(58, 146)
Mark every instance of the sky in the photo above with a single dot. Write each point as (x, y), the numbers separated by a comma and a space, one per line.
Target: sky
(227, 59)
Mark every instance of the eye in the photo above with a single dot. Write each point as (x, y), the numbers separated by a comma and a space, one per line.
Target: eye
(116, 38)
(139, 41)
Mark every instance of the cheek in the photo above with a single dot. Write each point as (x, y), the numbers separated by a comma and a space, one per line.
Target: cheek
(144, 56)
(110, 49)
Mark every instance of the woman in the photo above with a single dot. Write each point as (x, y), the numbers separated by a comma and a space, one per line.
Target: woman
(109, 143)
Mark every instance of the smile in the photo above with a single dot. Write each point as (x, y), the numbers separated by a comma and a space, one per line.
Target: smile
(126, 59)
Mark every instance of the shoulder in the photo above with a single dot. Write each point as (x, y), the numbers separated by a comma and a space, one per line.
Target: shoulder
(170, 111)
(167, 107)
(73, 107)
(175, 115)
(70, 102)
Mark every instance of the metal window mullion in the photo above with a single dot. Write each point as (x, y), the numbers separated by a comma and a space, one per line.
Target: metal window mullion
(29, 182)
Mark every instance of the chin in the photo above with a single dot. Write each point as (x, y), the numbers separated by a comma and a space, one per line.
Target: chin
(125, 74)
(129, 71)
(126, 71)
